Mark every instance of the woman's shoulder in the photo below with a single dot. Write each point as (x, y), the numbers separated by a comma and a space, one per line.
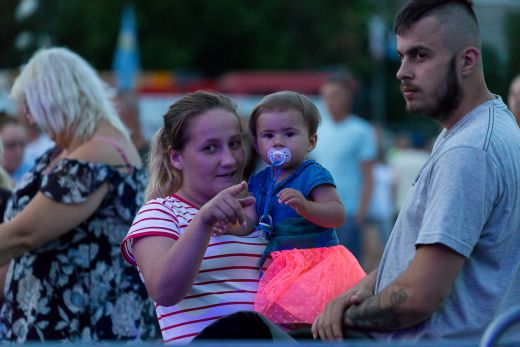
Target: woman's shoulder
(110, 147)
(171, 203)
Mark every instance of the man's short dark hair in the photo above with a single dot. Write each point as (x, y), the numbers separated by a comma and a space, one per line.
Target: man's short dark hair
(414, 10)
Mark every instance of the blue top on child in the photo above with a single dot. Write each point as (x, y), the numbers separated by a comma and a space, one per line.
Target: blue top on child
(289, 229)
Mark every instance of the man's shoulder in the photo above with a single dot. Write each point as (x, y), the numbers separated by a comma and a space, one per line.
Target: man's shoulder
(491, 125)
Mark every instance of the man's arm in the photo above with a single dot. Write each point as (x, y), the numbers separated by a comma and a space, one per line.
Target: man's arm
(413, 296)
(330, 321)
(407, 301)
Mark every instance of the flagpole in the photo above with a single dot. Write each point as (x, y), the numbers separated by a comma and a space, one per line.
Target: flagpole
(126, 57)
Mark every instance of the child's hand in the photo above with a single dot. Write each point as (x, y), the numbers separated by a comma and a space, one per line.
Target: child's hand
(295, 199)
(221, 228)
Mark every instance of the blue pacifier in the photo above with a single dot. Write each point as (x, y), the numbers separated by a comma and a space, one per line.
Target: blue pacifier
(279, 156)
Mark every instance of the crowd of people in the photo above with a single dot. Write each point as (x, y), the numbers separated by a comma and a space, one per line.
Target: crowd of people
(335, 237)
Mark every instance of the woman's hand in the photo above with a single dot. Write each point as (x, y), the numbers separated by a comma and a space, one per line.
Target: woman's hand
(226, 209)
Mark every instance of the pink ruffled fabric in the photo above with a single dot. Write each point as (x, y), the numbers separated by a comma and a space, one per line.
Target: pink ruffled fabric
(299, 283)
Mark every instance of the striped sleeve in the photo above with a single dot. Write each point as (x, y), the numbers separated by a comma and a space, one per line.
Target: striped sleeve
(155, 218)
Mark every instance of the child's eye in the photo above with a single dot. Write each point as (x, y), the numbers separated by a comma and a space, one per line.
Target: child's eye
(267, 136)
(290, 133)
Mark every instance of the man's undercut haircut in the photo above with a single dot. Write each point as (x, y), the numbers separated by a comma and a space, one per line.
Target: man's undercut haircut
(456, 18)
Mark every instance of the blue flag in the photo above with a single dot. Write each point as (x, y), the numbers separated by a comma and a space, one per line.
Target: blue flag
(126, 58)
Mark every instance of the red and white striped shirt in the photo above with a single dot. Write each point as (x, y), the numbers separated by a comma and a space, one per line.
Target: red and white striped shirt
(227, 280)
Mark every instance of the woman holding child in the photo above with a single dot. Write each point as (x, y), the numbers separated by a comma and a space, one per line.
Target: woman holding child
(196, 165)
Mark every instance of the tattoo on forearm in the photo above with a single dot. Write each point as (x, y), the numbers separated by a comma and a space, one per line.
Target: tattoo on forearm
(373, 313)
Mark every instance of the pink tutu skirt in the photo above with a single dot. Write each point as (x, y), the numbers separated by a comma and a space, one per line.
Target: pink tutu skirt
(299, 283)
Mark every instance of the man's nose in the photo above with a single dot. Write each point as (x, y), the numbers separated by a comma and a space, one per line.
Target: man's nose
(404, 71)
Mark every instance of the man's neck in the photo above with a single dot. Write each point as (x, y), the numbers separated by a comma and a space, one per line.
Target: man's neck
(466, 106)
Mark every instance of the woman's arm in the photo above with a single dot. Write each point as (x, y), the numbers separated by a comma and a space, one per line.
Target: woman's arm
(44, 220)
(324, 209)
(170, 267)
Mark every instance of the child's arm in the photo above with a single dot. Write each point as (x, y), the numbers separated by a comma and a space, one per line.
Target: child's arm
(324, 209)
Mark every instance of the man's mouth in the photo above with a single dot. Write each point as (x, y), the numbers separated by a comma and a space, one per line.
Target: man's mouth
(408, 91)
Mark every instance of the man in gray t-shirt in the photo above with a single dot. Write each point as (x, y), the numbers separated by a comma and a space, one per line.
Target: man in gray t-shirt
(466, 198)
(452, 261)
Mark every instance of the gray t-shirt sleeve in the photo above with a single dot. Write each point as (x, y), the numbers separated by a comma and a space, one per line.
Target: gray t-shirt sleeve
(460, 199)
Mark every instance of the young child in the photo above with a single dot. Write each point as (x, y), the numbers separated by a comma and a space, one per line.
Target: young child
(297, 207)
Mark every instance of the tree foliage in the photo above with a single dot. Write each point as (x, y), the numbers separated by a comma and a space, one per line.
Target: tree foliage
(513, 35)
(212, 37)
(208, 36)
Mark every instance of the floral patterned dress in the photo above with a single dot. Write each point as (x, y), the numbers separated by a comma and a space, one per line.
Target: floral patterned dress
(78, 287)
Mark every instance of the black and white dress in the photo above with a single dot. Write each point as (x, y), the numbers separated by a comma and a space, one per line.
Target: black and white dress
(78, 287)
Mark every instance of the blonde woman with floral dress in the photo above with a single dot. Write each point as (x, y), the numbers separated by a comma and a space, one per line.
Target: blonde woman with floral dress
(66, 279)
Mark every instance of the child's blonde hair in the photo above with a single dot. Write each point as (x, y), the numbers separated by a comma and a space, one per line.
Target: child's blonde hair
(164, 178)
(283, 101)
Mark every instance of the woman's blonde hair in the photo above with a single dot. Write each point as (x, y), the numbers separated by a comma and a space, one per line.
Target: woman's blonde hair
(64, 95)
(164, 178)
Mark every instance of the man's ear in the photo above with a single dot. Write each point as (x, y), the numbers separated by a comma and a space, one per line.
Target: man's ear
(470, 60)
(313, 139)
(175, 159)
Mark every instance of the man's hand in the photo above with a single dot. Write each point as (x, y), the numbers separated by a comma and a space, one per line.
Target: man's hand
(405, 302)
(328, 325)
